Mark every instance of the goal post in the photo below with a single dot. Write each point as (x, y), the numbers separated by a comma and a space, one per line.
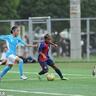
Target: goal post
(38, 20)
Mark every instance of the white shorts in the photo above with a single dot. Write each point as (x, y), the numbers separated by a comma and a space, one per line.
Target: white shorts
(11, 59)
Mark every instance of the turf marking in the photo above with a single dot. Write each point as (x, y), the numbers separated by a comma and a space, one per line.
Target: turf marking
(16, 72)
(43, 93)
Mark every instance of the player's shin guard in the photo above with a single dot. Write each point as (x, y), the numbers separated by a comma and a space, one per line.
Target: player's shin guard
(21, 67)
(59, 73)
(43, 72)
(5, 70)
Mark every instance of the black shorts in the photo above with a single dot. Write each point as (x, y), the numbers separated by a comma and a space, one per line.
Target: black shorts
(45, 64)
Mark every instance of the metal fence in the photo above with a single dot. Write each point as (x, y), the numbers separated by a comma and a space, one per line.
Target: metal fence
(88, 36)
(60, 30)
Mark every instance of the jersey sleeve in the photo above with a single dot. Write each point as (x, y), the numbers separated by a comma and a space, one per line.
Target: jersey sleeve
(41, 47)
(4, 37)
(21, 41)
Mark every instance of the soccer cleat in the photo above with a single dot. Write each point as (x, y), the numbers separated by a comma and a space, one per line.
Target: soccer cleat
(23, 77)
(64, 78)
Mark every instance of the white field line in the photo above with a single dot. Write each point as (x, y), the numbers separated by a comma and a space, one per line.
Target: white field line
(18, 79)
(37, 79)
(37, 92)
(16, 72)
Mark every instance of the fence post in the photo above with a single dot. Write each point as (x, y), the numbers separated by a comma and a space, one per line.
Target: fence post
(31, 34)
(88, 38)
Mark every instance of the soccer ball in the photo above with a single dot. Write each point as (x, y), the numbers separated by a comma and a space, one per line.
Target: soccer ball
(50, 77)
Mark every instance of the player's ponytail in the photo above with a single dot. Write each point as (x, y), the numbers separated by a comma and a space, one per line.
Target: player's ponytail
(13, 29)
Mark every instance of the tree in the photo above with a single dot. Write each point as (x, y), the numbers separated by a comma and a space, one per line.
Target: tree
(53, 8)
(88, 8)
(8, 9)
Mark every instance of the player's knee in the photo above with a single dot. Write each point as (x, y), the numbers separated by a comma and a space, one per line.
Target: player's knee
(10, 65)
(54, 67)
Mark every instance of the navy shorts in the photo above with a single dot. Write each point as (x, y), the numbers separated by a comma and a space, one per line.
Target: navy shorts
(45, 64)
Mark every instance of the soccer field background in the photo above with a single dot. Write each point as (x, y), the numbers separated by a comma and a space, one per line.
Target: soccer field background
(80, 83)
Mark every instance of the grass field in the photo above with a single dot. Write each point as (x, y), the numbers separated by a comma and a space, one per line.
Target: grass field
(80, 83)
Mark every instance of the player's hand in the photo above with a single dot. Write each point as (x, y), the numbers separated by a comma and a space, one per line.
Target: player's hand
(55, 45)
(35, 45)
(29, 45)
(44, 57)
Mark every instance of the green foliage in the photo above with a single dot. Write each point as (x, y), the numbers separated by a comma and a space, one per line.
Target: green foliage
(53, 8)
(13, 9)
(88, 8)
(8, 9)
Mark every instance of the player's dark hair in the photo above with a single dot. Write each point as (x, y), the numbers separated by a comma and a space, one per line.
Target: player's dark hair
(13, 29)
(46, 36)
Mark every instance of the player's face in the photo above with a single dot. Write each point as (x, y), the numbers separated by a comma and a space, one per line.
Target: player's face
(16, 32)
(5, 49)
(48, 40)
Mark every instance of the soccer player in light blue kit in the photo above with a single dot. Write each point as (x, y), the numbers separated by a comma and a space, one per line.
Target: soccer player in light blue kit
(12, 41)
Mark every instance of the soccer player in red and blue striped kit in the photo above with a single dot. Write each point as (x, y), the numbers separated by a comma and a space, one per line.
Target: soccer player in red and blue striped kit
(44, 59)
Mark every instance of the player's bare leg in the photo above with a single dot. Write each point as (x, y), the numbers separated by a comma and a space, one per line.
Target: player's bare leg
(20, 61)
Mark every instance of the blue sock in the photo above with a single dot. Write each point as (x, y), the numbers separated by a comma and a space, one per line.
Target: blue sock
(21, 67)
(5, 70)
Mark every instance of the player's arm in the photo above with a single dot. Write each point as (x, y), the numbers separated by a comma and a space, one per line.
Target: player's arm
(43, 55)
(55, 45)
(30, 45)
(41, 47)
(3, 37)
(25, 44)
